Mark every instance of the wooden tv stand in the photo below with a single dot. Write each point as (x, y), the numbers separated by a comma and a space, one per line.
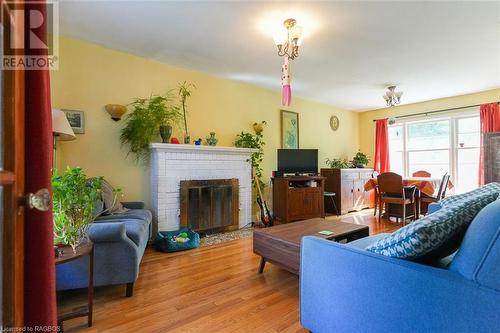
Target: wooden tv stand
(296, 198)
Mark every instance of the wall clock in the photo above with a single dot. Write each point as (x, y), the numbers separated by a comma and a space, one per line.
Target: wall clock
(334, 123)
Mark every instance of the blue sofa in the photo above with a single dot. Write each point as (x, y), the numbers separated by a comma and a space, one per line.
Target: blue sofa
(120, 241)
(344, 288)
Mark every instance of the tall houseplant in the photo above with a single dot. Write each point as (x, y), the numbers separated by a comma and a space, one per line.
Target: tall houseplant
(74, 198)
(256, 141)
(149, 117)
(185, 92)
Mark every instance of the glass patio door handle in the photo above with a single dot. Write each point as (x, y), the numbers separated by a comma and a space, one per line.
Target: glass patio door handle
(39, 200)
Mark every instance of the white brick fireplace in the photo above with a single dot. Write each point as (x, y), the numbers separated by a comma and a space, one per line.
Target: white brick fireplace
(171, 163)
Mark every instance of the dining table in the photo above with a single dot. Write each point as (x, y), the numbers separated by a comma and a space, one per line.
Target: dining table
(424, 185)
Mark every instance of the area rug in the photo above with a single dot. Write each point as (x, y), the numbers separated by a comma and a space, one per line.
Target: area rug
(225, 236)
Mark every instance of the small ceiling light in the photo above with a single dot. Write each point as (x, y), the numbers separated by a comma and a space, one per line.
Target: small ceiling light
(392, 97)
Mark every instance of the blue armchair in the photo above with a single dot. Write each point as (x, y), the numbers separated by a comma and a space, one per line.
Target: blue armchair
(344, 288)
(120, 241)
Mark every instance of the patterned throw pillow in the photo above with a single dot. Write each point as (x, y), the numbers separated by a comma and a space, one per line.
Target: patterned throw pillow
(488, 188)
(433, 236)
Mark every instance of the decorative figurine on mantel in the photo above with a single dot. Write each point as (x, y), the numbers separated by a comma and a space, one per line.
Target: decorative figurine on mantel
(212, 140)
(197, 142)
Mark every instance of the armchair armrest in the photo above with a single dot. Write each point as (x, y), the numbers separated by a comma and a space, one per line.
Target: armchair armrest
(133, 204)
(107, 232)
(344, 289)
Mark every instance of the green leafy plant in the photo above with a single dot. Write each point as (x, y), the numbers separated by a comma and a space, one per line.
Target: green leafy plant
(184, 92)
(256, 141)
(142, 125)
(338, 163)
(360, 160)
(74, 197)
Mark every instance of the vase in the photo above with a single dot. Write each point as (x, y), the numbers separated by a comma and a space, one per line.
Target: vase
(187, 138)
(212, 140)
(165, 133)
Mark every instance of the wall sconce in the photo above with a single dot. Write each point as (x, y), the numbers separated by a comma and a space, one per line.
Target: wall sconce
(116, 111)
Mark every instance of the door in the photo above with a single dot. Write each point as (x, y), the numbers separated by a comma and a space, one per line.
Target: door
(11, 187)
(295, 203)
(347, 195)
(360, 201)
(312, 202)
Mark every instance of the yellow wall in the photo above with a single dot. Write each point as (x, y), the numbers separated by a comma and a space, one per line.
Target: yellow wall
(91, 76)
(366, 125)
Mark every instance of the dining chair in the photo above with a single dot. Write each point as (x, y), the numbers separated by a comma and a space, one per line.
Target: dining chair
(421, 173)
(393, 194)
(425, 200)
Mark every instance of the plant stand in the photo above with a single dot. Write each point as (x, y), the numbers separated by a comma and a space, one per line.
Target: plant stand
(67, 256)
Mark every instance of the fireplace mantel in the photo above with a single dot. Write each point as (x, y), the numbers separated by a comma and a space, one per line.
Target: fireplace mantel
(173, 163)
(181, 148)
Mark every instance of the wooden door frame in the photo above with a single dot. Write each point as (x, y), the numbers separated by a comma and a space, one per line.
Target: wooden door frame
(12, 177)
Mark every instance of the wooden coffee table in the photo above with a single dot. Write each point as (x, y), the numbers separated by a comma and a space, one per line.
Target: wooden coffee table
(280, 244)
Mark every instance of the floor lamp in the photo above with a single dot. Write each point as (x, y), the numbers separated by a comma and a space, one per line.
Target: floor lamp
(61, 131)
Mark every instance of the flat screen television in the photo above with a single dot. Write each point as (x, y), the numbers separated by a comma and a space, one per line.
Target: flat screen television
(297, 161)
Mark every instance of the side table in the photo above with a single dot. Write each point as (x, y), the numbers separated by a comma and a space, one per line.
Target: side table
(68, 255)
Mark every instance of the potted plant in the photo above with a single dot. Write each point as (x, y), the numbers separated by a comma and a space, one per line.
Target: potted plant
(74, 199)
(185, 92)
(149, 116)
(249, 140)
(337, 163)
(360, 160)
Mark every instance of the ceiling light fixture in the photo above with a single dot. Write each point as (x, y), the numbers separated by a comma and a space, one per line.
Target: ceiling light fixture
(288, 41)
(392, 97)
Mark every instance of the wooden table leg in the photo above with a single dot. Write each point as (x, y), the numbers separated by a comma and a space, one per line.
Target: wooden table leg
(91, 287)
(262, 265)
(418, 194)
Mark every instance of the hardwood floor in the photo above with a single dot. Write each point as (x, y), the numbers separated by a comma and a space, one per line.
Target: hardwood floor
(210, 289)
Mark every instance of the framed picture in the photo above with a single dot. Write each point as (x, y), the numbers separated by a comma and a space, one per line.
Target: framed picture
(76, 120)
(289, 130)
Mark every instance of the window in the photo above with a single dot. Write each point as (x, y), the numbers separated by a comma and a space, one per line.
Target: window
(438, 146)
(467, 153)
(396, 149)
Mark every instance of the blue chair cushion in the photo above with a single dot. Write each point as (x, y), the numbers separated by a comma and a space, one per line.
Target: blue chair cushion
(478, 258)
(434, 236)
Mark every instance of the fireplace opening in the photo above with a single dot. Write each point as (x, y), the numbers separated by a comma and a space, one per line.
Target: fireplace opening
(210, 205)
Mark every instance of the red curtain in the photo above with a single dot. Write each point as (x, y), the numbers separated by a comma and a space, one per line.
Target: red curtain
(39, 286)
(381, 160)
(489, 115)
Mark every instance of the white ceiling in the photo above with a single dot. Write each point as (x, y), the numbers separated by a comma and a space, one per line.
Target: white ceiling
(351, 51)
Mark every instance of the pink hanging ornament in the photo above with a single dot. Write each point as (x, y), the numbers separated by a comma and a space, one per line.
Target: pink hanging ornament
(286, 97)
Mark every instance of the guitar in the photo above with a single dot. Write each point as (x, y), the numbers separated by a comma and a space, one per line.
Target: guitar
(265, 216)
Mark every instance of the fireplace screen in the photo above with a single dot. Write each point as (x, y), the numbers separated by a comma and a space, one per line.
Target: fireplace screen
(208, 205)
